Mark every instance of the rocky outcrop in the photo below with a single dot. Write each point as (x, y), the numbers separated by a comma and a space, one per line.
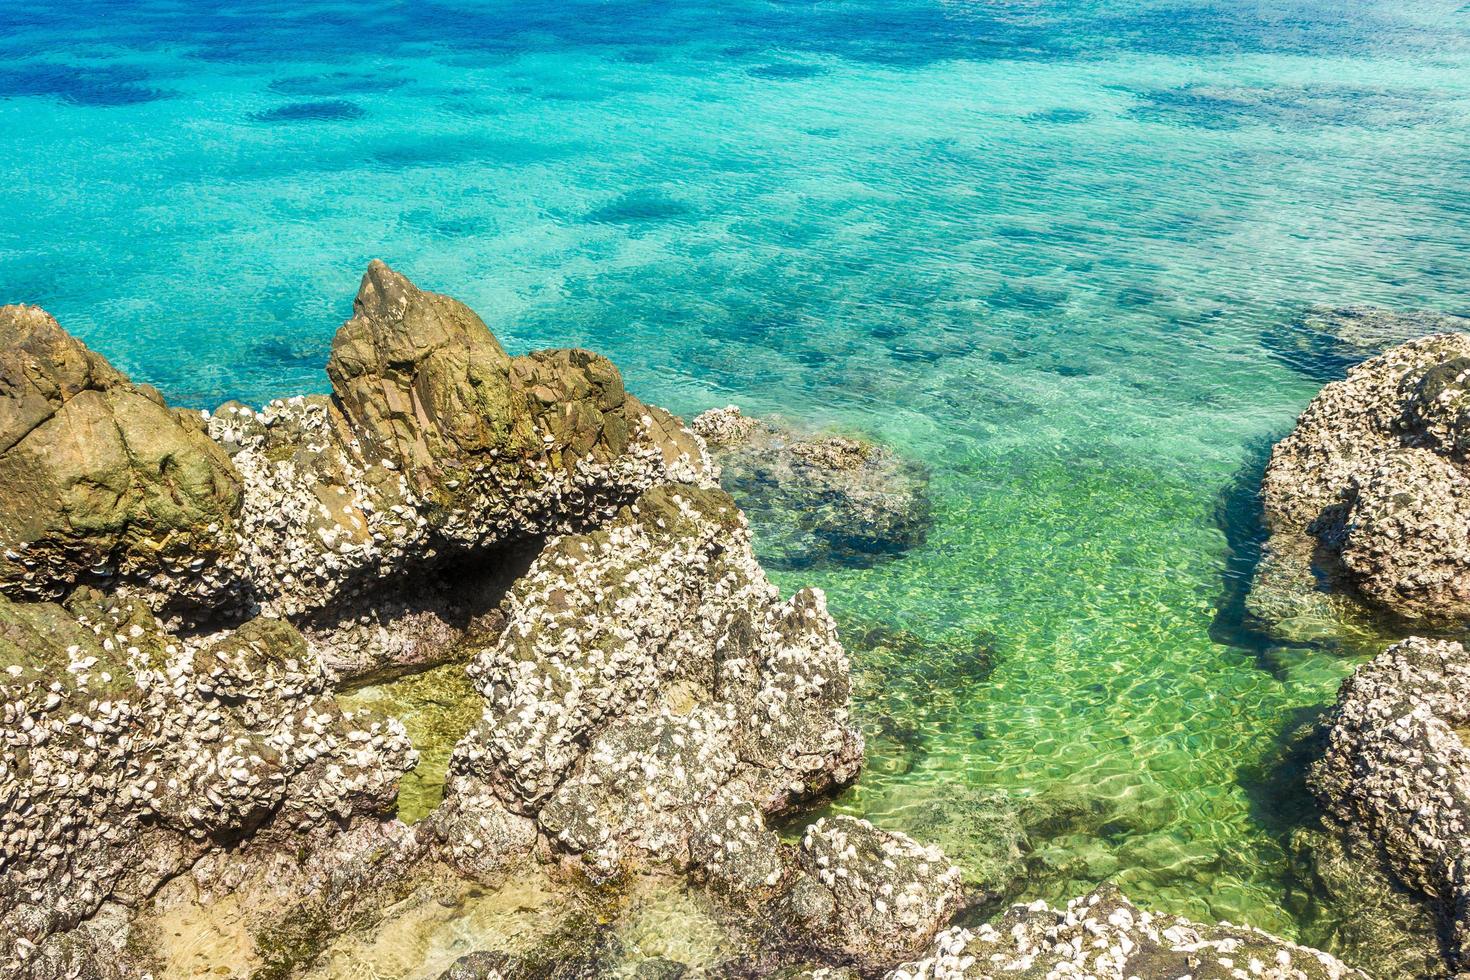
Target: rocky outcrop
(649, 699)
(1396, 772)
(129, 752)
(435, 447)
(99, 479)
(818, 499)
(646, 672)
(435, 450)
(1104, 936)
(1367, 501)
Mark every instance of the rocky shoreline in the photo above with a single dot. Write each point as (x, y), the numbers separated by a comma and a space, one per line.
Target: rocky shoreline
(185, 598)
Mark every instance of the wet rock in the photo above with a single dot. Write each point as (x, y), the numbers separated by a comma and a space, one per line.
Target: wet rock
(1396, 771)
(817, 500)
(648, 671)
(126, 753)
(1324, 342)
(1366, 503)
(99, 480)
(870, 896)
(480, 966)
(1390, 932)
(1104, 936)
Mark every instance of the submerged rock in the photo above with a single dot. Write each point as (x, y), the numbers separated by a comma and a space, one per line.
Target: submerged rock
(1396, 772)
(99, 480)
(1367, 502)
(1324, 342)
(1346, 900)
(1106, 937)
(818, 500)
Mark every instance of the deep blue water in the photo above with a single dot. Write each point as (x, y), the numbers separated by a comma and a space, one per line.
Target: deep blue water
(1041, 245)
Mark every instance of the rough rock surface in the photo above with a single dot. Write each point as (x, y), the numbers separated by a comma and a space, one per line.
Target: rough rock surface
(649, 698)
(1367, 501)
(848, 894)
(647, 671)
(872, 896)
(818, 499)
(1397, 771)
(128, 752)
(435, 446)
(1105, 937)
(98, 478)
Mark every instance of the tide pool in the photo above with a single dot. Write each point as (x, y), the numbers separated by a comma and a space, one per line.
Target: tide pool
(1041, 246)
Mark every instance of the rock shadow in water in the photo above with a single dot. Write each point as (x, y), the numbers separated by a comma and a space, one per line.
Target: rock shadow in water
(324, 110)
(1337, 889)
(107, 86)
(1240, 516)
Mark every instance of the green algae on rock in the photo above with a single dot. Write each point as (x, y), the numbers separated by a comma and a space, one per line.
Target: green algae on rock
(98, 477)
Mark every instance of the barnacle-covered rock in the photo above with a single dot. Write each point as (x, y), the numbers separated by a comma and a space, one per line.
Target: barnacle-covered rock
(437, 450)
(1105, 937)
(98, 478)
(818, 499)
(127, 752)
(872, 896)
(1396, 771)
(646, 672)
(1366, 501)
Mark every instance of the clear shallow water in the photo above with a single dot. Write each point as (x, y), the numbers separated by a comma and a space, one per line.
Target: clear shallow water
(1036, 244)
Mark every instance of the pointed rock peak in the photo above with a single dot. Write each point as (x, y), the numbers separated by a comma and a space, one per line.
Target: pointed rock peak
(394, 323)
(383, 293)
(419, 375)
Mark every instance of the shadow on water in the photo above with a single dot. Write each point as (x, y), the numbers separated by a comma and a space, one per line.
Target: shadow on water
(1240, 515)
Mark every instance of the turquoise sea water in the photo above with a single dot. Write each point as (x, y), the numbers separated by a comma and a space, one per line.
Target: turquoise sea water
(1034, 243)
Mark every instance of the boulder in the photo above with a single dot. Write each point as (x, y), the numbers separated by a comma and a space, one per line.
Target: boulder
(436, 452)
(1396, 772)
(818, 499)
(869, 896)
(1366, 503)
(646, 672)
(99, 479)
(1105, 937)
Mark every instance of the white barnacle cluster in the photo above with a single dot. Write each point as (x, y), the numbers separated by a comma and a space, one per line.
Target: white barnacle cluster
(886, 884)
(1397, 769)
(646, 669)
(120, 768)
(1102, 936)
